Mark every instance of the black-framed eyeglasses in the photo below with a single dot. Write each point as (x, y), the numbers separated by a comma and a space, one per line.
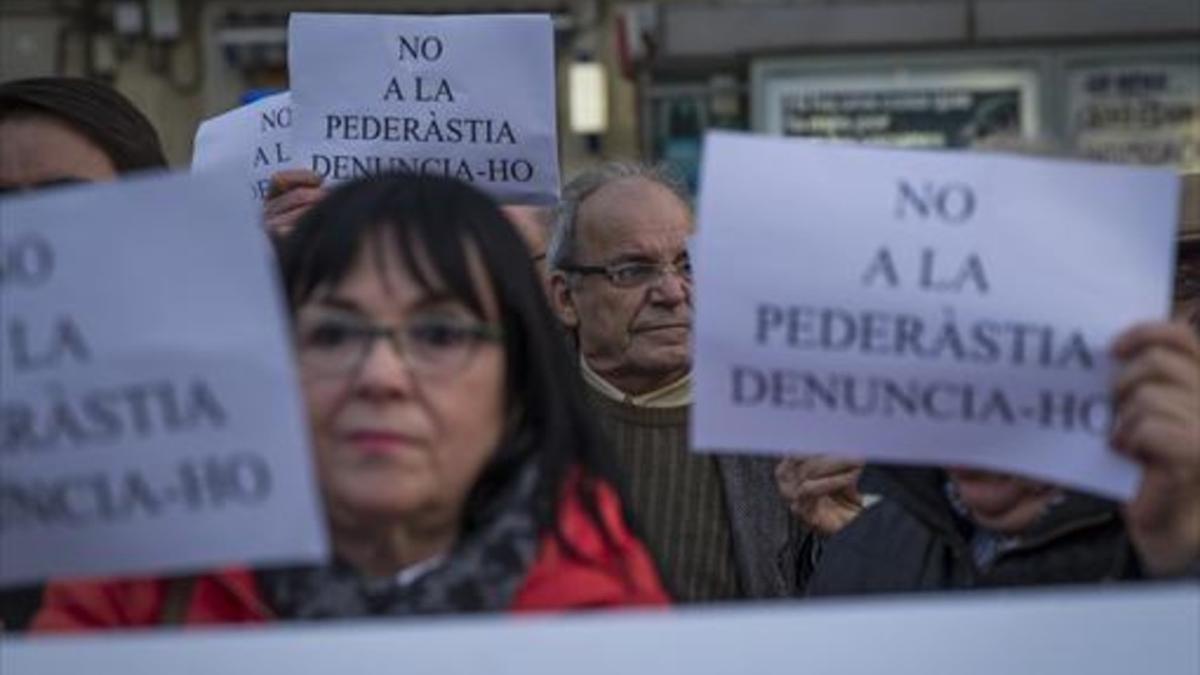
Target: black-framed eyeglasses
(635, 274)
(436, 345)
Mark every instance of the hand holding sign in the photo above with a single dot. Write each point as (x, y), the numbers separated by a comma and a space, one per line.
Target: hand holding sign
(821, 491)
(291, 194)
(1158, 425)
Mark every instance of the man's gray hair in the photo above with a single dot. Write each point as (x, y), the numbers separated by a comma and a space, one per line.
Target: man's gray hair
(563, 244)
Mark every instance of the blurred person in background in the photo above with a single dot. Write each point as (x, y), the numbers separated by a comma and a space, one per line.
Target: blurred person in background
(939, 529)
(454, 450)
(59, 131)
(934, 529)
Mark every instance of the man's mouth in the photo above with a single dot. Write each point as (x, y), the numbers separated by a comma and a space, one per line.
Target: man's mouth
(661, 326)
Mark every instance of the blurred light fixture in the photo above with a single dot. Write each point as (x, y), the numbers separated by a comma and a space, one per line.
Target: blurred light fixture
(724, 98)
(163, 19)
(127, 18)
(588, 92)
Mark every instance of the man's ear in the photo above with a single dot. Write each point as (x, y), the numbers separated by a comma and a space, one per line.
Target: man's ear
(562, 298)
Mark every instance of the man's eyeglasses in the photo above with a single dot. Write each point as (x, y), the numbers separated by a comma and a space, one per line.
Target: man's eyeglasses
(430, 345)
(635, 274)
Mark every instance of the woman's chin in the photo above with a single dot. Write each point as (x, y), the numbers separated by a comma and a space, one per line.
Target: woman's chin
(376, 506)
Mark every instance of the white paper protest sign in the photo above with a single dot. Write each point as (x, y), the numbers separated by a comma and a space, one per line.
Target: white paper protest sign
(253, 140)
(150, 418)
(1115, 629)
(470, 97)
(922, 307)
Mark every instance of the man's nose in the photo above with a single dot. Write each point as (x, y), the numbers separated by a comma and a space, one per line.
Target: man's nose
(671, 287)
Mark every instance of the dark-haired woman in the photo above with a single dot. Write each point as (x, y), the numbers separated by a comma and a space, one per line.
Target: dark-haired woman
(56, 130)
(459, 467)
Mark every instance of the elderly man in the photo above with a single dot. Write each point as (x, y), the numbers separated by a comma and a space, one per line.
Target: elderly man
(622, 285)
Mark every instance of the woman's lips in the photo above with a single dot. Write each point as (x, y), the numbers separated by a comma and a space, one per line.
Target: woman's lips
(375, 442)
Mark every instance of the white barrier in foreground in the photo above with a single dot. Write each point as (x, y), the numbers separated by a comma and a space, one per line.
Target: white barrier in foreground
(1152, 629)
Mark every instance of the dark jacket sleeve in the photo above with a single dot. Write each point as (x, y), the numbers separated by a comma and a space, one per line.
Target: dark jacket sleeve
(884, 550)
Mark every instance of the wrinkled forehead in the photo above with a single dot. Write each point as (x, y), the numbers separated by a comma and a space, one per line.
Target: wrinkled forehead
(634, 216)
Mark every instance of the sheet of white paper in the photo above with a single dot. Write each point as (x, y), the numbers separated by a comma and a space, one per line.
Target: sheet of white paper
(150, 418)
(922, 307)
(253, 141)
(1114, 630)
(465, 96)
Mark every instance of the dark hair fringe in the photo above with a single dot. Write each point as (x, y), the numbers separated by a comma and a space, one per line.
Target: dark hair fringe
(551, 421)
(96, 110)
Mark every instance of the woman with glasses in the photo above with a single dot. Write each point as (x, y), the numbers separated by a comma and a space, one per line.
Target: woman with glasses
(459, 468)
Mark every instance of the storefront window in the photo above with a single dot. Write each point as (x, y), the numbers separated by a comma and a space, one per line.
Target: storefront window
(927, 108)
(679, 114)
(1136, 113)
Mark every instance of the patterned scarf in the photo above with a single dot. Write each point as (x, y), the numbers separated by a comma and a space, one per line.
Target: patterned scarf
(481, 573)
(986, 545)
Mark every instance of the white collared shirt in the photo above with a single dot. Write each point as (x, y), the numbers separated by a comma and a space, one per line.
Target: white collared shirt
(673, 395)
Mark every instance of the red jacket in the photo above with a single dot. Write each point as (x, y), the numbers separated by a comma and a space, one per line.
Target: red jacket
(601, 577)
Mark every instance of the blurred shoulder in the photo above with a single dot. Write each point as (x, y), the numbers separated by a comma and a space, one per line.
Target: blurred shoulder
(591, 570)
(98, 604)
